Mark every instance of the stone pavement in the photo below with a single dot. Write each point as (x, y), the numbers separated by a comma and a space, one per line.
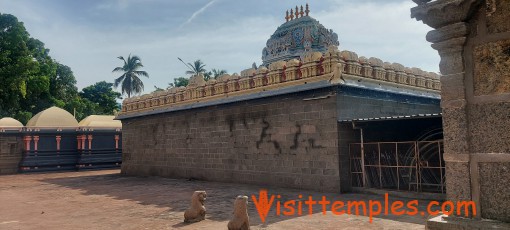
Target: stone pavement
(107, 200)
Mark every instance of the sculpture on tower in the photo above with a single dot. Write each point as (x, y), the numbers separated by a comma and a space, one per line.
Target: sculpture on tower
(299, 34)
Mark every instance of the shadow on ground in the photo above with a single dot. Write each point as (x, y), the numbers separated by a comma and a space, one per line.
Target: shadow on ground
(175, 195)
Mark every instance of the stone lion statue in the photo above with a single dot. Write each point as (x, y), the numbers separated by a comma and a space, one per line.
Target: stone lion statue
(197, 211)
(240, 220)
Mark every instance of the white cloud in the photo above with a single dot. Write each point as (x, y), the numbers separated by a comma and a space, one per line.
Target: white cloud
(198, 12)
(384, 30)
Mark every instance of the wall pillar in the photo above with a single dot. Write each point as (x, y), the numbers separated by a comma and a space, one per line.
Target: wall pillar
(36, 141)
(472, 38)
(90, 141)
(58, 138)
(78, 142)
(116, 141)
(83, 138)
(27, 140)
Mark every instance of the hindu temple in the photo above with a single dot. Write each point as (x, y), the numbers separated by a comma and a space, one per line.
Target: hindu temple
(300, 120)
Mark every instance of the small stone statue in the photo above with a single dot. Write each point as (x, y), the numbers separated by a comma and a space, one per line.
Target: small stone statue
(197, 211)
(241, 220)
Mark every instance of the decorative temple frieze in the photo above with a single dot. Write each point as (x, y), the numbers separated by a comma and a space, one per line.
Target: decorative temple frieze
(334, 66)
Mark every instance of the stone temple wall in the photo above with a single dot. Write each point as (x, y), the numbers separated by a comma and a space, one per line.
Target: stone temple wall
(10, 152)
(487, 55)
(473, 40)
(288, 141)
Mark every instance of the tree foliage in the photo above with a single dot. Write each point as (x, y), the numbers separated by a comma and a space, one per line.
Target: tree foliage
(198, 67)
(180, 81)
(129, 80)
(215, 73)
(17, 66)
(102, 95)
(31, 81)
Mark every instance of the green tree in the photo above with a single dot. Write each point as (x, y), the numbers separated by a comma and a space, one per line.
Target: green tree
(130, 81)
(81, 107)
(63, 84)
(16, 64)
(103, 96)
(180, 81)
(196, 68)
(30, 80)
(216, 73)
(38, 94)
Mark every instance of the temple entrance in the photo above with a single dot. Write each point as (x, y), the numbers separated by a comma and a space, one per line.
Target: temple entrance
(399, 153)
(416, 166)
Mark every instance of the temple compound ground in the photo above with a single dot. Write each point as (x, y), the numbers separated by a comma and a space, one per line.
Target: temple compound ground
(106, 200)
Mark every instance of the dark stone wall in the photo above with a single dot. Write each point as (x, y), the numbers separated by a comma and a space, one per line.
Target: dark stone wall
(10, 153)
(288, 141)
(48, 143)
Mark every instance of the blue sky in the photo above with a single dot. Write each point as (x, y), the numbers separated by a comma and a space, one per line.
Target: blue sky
(225, 34)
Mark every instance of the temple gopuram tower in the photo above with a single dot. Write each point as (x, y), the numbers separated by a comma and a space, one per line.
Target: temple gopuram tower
(299, 34)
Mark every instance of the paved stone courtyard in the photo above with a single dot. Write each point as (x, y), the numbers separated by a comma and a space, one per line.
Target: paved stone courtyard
(107, 200)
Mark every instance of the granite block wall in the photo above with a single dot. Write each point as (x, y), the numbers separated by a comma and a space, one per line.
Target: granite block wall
(286, 141)
(10, 153)
(473, 40)
(289, 140)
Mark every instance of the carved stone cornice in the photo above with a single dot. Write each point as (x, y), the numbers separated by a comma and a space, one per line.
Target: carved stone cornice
(456, 30)
(450, 46)
(440, 13)
(315, 67)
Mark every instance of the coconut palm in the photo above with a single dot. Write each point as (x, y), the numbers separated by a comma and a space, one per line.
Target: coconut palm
(216, 73)
(196, 68)
(130, 81)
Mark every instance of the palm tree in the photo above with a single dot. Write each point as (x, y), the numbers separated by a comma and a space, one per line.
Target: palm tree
(216, 73)
(196, 68)
(130, 81)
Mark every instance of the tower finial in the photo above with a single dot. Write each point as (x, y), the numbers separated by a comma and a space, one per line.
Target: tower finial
(287, 16)
(301, 12)
(291, 14)
(307, 9)
(297, 12)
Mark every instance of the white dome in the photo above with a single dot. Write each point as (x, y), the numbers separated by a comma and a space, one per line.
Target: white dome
(53, 117)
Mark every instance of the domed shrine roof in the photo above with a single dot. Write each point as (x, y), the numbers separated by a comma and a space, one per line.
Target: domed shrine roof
(9, 122)
(100, 121)
(53, 117)
(299, 34)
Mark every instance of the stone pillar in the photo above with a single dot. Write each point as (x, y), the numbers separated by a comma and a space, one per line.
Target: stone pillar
(36, 142)
(27, 140)
(472, 38)
(117, 141)
(90, 141)
(78, 141)
(84, 137)
(58, 139)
